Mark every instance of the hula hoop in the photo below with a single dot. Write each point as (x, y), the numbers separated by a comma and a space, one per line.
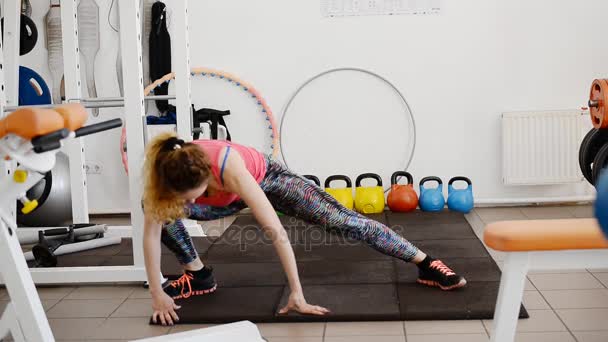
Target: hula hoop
(364, 71)
(206, 72)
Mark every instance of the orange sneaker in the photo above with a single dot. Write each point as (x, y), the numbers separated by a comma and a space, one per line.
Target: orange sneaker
(192, 284)
(437, 274)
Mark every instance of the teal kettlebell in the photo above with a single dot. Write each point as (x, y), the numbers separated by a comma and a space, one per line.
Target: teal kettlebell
(431, 199)
(460, 200)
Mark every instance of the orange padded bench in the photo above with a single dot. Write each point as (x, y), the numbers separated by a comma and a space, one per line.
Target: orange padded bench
(544, 235)
(31, 122)
(536, 245)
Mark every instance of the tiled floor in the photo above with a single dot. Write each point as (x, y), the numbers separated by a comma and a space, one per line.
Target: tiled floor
(565, 306)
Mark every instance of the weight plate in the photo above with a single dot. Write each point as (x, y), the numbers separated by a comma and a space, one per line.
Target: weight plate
(599, 95)
(28, 35)
(599, 163)
(592, 143)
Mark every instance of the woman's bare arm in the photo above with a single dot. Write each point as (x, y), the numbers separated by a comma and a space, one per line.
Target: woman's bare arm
(237, 179)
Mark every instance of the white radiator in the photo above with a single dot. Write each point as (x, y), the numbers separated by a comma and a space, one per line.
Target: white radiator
(542, 147)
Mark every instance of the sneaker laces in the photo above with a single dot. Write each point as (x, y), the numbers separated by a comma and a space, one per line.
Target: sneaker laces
(441, 267)
(183, 281)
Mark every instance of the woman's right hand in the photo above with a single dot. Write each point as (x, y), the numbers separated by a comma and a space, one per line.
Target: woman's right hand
(164, 309)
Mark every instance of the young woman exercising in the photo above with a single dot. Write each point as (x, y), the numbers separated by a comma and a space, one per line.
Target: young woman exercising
(210, 179)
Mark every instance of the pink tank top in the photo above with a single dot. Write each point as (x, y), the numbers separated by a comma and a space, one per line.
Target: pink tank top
(254, 161)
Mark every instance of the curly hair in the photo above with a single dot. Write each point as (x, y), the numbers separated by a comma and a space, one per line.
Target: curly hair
(171, 167)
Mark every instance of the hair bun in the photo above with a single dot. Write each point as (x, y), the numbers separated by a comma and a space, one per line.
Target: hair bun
(173, 143)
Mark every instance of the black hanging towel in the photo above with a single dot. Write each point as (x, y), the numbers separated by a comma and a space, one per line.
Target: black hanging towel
(160, 52)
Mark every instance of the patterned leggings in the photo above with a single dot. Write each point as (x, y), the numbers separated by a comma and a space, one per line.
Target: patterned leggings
(295, 196)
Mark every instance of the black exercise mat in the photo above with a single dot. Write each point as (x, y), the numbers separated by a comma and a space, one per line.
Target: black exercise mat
(231, 304)
(352, 302)
(427, 218)
(346, 272)
(354, 281)
(439, 231)
(475, 301)
(249, 274)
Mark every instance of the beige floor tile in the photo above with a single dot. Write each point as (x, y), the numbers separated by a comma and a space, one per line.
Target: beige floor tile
(582, 211)
(140, 293)
(562, 271)
(598, 270)
(569, 281)
(86, 308)
(48, 304)
(529, 286)
(602, 277)
(584, 319)
(187, 327)
(577, 299)
(128, 328)
(539, 321)
(295, 339)
(591, 336)
(496, 255)
(100, 292)
(362, 338)
(291, 329)
(544, 337)
(54, 292)
(451, 338)
(476, 222)
(74, 328)
(134, 308)
(534, 301)
(500, 263)
(444, 327)
(489, 215)
(545, 213)
(364, 329)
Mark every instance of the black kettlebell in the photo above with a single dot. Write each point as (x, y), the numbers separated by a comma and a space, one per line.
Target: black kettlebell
(313, 178)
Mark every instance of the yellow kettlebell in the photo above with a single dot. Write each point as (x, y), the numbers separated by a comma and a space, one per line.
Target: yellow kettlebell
(342, 195)
(369, 199)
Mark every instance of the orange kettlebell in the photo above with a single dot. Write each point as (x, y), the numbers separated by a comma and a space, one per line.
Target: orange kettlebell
(402, 197)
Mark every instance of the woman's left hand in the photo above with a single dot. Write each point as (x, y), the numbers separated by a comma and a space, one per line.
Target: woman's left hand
(298, 303)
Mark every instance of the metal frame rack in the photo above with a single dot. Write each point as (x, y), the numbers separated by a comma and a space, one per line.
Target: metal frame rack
(131, 49)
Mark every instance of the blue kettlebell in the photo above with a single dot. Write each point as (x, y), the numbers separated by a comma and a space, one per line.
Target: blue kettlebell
(601, 202)
(431, 199)
(460, 200)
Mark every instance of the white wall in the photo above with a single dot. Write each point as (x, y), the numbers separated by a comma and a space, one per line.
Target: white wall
(458, 71)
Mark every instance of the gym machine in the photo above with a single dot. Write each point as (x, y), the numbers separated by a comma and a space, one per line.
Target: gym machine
(31, 138)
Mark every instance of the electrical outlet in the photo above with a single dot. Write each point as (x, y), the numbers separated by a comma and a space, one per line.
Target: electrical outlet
(93, 169)
(373, 6)
(334, 7)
